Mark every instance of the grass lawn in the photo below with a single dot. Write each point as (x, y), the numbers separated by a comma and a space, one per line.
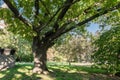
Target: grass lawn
(59, 72)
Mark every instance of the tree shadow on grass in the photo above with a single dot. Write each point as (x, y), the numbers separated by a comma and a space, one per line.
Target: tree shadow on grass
(23, 72)
(19, 72)
(80, 73)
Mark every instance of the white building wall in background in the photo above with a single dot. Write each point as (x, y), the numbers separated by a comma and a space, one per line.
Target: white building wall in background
(2, 24)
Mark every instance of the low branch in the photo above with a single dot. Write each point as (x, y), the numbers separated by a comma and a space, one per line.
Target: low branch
(16, 13)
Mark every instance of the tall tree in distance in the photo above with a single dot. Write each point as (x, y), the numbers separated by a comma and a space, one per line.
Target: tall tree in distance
(44, 21)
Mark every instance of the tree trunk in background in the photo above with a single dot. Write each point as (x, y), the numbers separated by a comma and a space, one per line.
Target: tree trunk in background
(39, 49)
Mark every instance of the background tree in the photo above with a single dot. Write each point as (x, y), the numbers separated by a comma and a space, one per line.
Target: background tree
(76, 48)
(107, 54)
(44, 21)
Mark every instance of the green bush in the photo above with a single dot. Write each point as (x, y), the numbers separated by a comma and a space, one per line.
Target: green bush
(24, 58)
(107, 54)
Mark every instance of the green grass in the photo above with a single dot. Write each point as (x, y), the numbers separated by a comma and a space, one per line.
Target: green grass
(59, 72)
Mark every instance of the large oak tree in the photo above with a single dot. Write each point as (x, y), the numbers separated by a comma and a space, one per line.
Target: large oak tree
(44, 21)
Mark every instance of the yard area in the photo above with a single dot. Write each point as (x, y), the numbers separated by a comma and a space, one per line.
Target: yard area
(64, 37)
(23, 71)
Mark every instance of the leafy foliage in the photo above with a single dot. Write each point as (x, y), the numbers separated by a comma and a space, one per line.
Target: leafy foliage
(45, 15)
(107, 54)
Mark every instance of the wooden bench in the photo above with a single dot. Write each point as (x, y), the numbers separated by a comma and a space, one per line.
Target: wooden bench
(7, 59)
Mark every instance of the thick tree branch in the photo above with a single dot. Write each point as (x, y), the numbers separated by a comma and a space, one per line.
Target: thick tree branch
(16, 13)
(53, 35)
(48, 12)
(62, 13)
(36, 7)
(65, 9)
(49, 20)
(56, 30)
(100, 13)
(59, 9)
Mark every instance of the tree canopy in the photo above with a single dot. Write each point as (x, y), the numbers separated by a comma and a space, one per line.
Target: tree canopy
(52, 17)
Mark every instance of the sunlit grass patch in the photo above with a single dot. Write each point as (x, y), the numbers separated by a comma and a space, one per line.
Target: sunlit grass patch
(78, 69)
(2, 75)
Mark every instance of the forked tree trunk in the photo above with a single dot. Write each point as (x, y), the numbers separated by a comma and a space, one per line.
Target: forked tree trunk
(40, 57)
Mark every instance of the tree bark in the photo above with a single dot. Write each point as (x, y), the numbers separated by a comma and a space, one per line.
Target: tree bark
(39, 48)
